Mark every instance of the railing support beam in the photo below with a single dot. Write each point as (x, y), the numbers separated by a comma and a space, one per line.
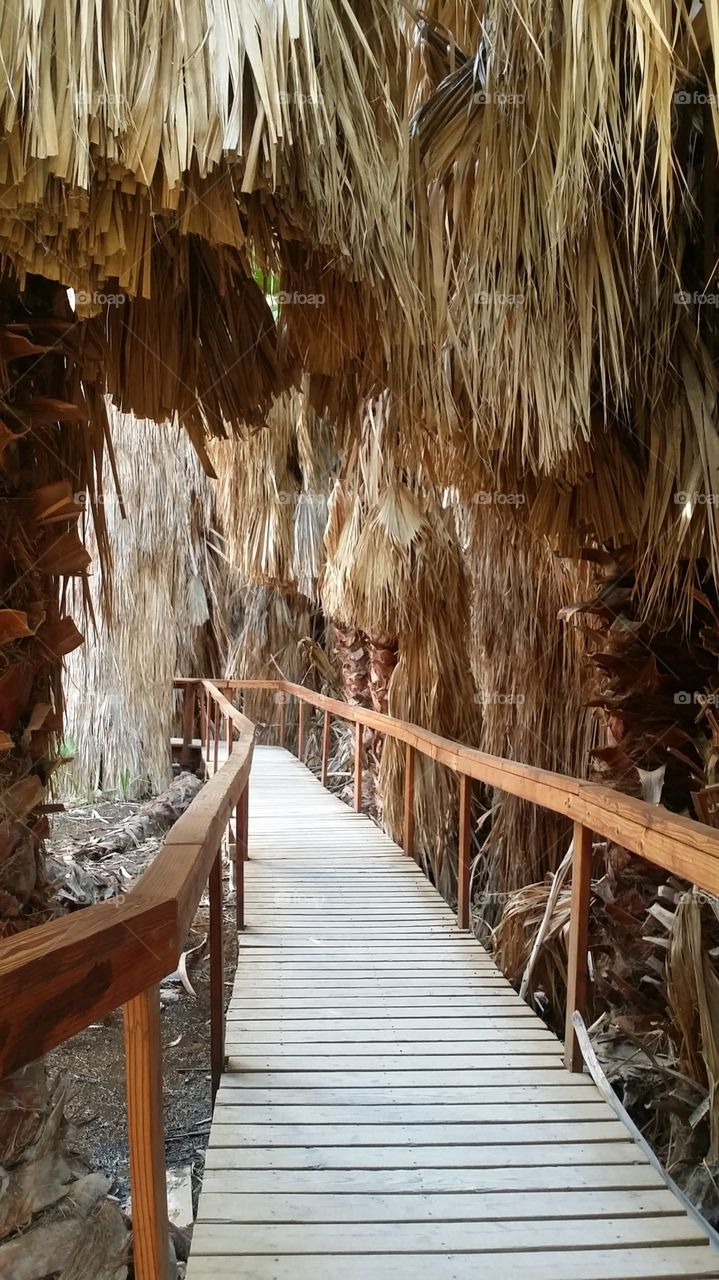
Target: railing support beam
(283, 718)
(326, 747)
(217, 977)
(143, 1052)
(188, 724)
(578, 960)
(408, 836)
(358, 766)
(465, 851)
(241, 840)
(301, 730)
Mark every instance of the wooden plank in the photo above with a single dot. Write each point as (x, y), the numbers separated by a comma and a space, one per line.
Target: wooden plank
(458, 1156)
(143, 1053)
(423, 1207)
(543, 1074)
(245, 1057)
(439, 1115)
(487, 1083)
(459, 1097)
(529, 1178)
(388, 1134)
(660, 1263)
(440, 1237)
(295, 1033)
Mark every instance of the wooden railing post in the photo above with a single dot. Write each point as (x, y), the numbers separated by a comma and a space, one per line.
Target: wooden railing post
(283, 718)
(217, 977)
(326, 747)
(578, 959)
(358, 767)
(301, 730)
(408, 838)
(217, 735)
(188, 724)
(143, 1054)
(241, 840)
(208, 723)
(465, 850)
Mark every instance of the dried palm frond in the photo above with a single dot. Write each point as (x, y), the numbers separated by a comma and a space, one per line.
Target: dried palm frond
(118, 687)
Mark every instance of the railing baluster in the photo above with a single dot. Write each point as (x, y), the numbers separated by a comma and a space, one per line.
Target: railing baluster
(301, 731)
(208, 723)
(326, 747)
(188, 724)
(578, 959)
(217, 735)
(217, 976)
(408, 837)
(241, 839)
(358, 767)
(465, 849)
(283, 718)
(143, 1054)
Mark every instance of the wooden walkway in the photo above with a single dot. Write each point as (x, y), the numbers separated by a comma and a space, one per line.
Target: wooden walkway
(391, 1107)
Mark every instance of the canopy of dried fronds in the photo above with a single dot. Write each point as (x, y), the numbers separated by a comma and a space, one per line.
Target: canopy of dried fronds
(568, 238)
(394, 560)
(526, 665)
(271, 498)
(110, 116)
(118, 686)
(273, 642)
(156, 158)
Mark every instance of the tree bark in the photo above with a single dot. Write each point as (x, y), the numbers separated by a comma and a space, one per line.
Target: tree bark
(55, 1218)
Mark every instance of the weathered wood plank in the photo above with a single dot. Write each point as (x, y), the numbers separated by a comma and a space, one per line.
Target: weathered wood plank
(660, 1263)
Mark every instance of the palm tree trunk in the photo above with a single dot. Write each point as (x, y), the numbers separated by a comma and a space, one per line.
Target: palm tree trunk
(55, 1218)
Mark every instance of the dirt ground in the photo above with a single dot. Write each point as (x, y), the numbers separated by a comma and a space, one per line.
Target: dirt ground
(95, 1060)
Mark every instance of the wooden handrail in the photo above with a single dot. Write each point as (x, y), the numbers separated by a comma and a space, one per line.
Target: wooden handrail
(58, 978)
(679, 845)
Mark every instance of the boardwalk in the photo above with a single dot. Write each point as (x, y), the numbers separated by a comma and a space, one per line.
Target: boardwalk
(391, 1107)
